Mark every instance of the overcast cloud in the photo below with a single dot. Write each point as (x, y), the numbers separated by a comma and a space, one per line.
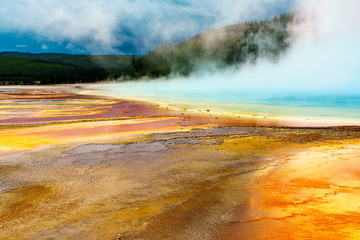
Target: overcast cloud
(104, 26)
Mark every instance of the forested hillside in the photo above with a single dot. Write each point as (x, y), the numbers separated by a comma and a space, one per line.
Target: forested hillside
(224, 47)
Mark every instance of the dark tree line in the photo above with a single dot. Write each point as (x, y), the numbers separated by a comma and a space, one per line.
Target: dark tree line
(19, 69)
(241, 43)
(84, 76)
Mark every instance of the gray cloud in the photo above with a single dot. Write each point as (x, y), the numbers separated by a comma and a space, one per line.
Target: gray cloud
(101, 26)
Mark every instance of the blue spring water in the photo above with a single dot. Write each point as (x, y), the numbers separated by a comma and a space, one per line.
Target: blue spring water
(341, 106)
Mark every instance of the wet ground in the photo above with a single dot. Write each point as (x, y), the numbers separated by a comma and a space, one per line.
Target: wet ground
(82, 167)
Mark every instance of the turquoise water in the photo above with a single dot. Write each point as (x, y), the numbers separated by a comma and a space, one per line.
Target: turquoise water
(330, 105)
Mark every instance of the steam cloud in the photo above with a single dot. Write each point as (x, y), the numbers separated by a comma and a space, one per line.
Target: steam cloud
(103, 26)
(322, 60)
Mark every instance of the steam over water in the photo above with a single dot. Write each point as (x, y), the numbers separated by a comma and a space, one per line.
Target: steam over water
(301, 104)
(318, 76)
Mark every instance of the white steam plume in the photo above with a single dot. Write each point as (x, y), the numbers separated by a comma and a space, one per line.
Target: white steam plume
(322, 60)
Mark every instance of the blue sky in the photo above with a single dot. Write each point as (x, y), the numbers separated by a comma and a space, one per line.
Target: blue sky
(118, 26)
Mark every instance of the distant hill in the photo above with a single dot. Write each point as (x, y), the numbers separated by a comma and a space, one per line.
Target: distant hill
(50, 68)
(25, 54)
(221, 48)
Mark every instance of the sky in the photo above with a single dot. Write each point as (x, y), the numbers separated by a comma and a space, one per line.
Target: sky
(119, 26)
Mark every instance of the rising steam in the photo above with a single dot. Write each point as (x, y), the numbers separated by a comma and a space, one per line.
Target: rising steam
(323, 59)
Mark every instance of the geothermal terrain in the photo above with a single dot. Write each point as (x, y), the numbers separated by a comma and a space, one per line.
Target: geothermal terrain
(80, 166)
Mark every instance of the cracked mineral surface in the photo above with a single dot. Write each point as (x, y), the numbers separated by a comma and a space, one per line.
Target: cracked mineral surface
(88, 167)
